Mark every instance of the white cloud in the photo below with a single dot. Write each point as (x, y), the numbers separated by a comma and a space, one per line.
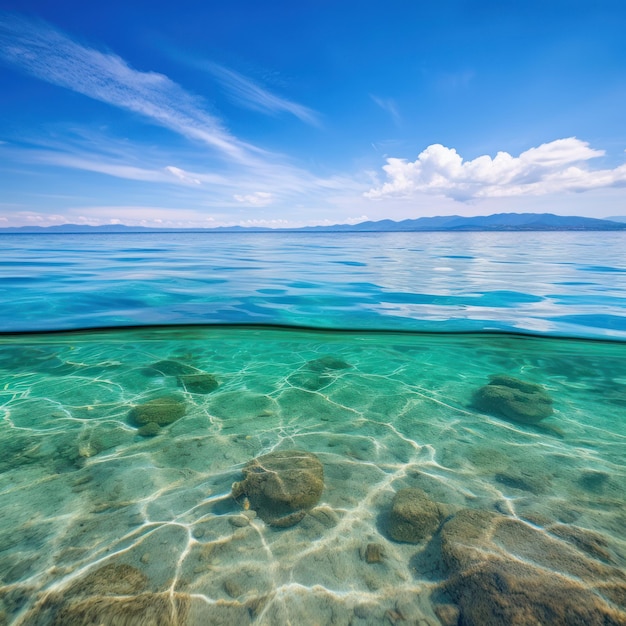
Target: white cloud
(277, 223)
(355, 220)
(39, 49)
(251, 95)
(134, 215)
(183, 176)
(119, 165)
(119, 170)
(258, 198)
(553, 167)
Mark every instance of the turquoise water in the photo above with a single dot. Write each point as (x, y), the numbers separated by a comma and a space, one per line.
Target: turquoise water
(563, 283)
(510, 517)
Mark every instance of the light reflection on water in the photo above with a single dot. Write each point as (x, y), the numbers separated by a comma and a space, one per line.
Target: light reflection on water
(565, 283)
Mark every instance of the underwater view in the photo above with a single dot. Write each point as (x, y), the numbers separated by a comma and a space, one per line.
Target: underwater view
(234, 475)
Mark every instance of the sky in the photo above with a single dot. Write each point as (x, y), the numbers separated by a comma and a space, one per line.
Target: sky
(284, 114)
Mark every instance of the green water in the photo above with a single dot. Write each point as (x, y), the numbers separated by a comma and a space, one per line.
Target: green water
(96, 519)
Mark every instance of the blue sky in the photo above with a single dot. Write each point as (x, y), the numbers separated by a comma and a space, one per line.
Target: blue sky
(314, 112)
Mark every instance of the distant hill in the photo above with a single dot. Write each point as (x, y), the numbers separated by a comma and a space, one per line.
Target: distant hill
(447, 223)
(497, 222)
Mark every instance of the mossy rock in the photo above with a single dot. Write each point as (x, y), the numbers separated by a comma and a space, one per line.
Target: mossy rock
(161, 411)
(507, 592)
(414, 517)
(169, 368)
(164, 609)
(327, 363)
(318, 373)
(198, 383)
(151, 429)
(513, 399)
(111, 579)
(282, 486)
(503, 571)
(115, 594)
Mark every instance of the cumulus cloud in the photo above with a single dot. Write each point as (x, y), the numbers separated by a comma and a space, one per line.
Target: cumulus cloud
(258, 198)
(552, 167)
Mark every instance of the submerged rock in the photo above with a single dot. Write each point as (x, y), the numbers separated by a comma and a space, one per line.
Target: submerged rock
(113, 594)
(161, 411)
(373, 553)
(513, 399)
(327, 363)
(503, 571)
(169, 368)
(151, 429)
(414, 517)
(111, 579)
(198, 383)
(282, 486)
(524, 480)
(318, 373)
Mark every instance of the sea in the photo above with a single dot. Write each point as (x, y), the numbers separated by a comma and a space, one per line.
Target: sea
(313, 428)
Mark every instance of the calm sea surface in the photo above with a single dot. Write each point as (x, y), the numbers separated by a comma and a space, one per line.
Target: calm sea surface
(563, 283)
(285, 428)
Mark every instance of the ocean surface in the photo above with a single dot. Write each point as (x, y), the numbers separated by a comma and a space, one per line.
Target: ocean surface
(397, 428)
(556, 283)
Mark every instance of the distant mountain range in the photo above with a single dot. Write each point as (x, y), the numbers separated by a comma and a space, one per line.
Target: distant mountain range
(448, 223)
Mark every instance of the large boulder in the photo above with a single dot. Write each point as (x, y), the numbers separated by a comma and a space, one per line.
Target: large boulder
(414, 517)
(513, 399)
(115, 594)
(505, 571)
(160, 411)
(198, 383)
(282, 486)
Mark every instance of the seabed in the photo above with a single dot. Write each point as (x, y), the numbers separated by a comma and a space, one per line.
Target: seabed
(120, 448)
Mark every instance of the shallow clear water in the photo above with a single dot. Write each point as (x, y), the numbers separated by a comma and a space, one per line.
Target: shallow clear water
(96, 517)
(105, 519)
(558, 283)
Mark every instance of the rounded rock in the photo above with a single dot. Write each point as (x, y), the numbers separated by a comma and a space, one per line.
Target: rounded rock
(198, 383)
(161, 411)
(282, 486)
(513, 399)
(414, 517)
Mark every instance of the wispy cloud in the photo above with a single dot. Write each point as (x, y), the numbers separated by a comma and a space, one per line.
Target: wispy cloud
(183, 176)
(388, 105)
(557, 166)
(230, 174)
(38, 49)
(251, 95)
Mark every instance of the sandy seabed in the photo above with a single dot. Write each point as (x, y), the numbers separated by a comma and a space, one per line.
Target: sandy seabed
(108, 517)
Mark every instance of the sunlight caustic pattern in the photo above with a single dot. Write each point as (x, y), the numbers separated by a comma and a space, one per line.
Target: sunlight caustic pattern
(144, 522)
